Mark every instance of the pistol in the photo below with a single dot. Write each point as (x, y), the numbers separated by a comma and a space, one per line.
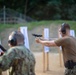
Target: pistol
(2, 48)
(37, 35)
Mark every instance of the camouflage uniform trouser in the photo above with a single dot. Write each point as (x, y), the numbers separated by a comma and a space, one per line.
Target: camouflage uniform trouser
(70, 71)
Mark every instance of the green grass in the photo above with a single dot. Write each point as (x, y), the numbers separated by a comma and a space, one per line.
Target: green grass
(32, 25)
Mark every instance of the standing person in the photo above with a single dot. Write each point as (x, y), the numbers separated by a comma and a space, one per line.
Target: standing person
(68, 44)
(17, 58)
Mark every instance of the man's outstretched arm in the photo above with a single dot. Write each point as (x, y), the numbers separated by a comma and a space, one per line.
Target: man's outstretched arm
(45, 42)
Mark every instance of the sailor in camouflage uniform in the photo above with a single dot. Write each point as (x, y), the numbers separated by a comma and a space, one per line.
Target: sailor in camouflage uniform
(18, 59)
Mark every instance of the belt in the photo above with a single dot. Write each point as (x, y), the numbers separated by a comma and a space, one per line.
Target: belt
(70, 64)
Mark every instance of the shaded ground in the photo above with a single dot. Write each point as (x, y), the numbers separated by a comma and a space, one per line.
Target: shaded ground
(54, 64)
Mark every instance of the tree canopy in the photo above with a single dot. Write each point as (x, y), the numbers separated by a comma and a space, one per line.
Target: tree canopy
(43, 9)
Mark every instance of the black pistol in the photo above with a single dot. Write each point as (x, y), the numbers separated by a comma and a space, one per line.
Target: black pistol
(37, 35)
(2, 48)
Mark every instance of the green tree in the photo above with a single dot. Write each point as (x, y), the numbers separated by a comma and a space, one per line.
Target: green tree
(43, 9)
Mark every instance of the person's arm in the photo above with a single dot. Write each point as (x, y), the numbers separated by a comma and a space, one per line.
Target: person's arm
(7, 59)
(2, 48)
(45, 42)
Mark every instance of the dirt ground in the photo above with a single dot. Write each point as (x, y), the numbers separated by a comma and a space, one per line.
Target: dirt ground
(55, 68)
(54, 65)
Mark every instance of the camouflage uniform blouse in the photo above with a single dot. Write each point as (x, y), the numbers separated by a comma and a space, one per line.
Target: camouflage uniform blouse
(19, 60)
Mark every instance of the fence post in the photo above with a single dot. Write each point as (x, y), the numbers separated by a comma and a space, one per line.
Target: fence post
(4, 14)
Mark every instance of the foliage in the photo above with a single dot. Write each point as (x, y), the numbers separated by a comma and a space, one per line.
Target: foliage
(32, 25)
(44, 9)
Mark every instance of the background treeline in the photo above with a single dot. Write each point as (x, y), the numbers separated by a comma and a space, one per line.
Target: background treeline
(43, 9)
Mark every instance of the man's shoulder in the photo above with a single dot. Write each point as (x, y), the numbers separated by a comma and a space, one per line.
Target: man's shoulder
(65, 38)
(70, 37)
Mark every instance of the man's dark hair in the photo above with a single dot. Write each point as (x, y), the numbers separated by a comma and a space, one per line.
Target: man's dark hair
(64, 26)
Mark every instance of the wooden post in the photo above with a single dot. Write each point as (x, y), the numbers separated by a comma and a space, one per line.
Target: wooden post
(60, 52)
(45, 58)
(43, 61)
(60, 57)
(47, 55)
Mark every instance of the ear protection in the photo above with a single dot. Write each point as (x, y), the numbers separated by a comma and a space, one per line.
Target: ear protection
(63, 30)
(13, 40)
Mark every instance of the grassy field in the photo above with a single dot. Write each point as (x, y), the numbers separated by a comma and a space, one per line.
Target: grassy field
(32, 25)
